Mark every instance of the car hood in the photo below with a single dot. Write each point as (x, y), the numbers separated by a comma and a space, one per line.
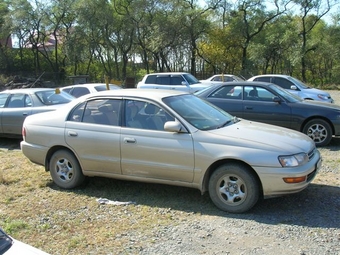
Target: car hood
(318, 104)
(313, 91)
(257, 135)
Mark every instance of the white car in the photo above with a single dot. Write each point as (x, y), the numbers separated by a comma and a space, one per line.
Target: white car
(11, 246)
(79, 90)
(173, 81)
(223, 78)
(295, 87)
(173, 138)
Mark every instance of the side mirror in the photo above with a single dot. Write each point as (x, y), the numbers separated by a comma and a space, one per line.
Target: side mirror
(276, 99)
(174, 126)
(293, 87)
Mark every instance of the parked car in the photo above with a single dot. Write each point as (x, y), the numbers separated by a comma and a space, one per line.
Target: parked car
(11, 246)
(269, 103)
(79, 90)
(174, 138)
(17, 104)
(223, 78)
(295, 86)
(174, 81)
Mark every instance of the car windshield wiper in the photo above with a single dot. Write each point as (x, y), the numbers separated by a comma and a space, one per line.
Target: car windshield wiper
(234, 120)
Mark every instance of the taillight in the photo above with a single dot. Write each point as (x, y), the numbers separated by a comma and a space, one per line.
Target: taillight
(23, 132)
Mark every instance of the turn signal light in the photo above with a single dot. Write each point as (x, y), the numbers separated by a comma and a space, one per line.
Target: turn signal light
(295, 179)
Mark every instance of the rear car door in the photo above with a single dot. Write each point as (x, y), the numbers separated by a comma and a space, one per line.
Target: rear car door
(148, 152)
(96, 138)
(228, 98)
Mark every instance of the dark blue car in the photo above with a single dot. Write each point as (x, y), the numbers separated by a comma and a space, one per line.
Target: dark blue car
(269, 103)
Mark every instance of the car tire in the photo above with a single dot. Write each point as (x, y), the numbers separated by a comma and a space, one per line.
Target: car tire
(234, 188)
(65, 170)
(319, 131)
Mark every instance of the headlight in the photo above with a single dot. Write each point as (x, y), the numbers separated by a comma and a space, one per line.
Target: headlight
(323, 97)
(293, 160)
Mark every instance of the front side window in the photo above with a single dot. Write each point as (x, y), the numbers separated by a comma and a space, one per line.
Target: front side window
(283, 83)
(177, 80)
(145, 115)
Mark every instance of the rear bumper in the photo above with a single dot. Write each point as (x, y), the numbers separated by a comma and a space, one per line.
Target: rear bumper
(35, 153)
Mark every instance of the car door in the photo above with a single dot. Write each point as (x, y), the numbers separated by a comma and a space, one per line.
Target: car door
(179, 83)
(148, 152)
(18, 107)
(286, 84)
(228, 98)
(259, 106)
(3, 100)
(95, 139)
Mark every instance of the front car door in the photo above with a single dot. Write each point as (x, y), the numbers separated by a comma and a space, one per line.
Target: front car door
(258, 105)
(150, 152)
(18, 107)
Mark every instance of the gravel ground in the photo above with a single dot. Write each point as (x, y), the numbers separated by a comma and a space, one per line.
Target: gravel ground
(306, 223)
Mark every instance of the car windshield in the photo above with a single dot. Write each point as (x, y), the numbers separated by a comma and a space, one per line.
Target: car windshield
(5, 241)
(51, 97)
(199, 113)
(191, 79)
(300, 83)
(289, 97)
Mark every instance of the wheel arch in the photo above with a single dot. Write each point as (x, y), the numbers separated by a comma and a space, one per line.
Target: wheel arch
(215, 165)
(51, 151)
(317, 117)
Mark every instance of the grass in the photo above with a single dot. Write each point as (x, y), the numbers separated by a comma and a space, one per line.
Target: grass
(35, 211)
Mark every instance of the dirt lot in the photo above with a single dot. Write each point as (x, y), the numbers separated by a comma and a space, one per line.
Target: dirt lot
(164, 219)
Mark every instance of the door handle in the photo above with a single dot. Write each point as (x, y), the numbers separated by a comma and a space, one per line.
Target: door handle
(248, 108)
(72, 133)
(129, 140)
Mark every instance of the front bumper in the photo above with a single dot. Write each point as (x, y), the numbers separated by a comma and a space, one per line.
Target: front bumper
(272, 179)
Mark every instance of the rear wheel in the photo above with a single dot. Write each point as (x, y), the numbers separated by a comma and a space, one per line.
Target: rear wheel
(319, 131)
(234, 188)
(65, 170)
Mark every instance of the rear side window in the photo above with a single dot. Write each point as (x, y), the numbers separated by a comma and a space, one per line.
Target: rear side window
(3, 99)
(163, 80)
(151, 79)
(263, 79)
(79, 91)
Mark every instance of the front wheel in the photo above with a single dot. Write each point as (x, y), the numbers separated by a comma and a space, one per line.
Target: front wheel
(65, 170)
(234, 188)
(319, 131)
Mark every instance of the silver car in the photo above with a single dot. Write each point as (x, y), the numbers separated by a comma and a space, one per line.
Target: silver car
(171, 138)
(173, 81)
(295, 87)
(17, 104)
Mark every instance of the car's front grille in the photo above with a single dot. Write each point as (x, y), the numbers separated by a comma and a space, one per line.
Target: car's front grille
(311, 153)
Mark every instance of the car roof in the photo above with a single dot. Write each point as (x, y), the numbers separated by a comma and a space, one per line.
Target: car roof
(245, 83)
(134, 92)
(167, 73)
(271, 75)
(26, 90)
(87, 85)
